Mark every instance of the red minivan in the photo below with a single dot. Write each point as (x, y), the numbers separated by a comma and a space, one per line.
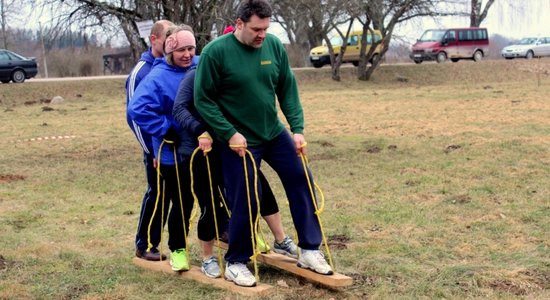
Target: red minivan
(453, 44)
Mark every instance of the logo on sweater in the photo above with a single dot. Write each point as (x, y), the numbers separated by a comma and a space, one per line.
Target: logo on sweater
(265, 62)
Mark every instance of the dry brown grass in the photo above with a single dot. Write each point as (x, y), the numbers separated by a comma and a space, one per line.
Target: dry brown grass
(436, 187)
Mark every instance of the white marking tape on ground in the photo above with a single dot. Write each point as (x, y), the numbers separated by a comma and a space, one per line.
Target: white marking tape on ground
(53, 137)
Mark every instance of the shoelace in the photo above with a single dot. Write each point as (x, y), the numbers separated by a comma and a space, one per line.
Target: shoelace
(210, 260)
(285, 243)
(243, 269)
(319, 257)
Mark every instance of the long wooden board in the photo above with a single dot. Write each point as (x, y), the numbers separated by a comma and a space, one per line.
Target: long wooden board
(195, 273)
(288, 264)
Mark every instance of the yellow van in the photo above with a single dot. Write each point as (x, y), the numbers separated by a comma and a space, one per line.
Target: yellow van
(319, 55)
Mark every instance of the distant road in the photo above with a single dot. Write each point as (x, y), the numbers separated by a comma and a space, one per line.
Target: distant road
(76, 78)
(124, 76)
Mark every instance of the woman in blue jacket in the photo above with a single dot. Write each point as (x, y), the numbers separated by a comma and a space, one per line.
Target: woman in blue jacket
(151, 108)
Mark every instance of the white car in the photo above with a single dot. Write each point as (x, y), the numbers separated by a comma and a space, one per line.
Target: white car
(528, 48)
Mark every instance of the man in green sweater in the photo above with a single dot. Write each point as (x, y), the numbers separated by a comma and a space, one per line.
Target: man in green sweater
(238, 81)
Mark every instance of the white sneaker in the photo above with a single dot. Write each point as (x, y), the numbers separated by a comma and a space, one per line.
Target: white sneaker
(314, 260)
(239, 274)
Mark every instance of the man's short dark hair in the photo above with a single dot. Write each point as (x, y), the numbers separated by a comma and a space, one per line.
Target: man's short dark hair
(248, 8)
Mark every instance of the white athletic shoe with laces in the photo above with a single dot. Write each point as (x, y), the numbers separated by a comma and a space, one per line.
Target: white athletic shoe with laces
(239, 274)
(314, 260)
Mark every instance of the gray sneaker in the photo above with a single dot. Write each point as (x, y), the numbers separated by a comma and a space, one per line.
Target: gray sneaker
(286, 247)
(210, 267)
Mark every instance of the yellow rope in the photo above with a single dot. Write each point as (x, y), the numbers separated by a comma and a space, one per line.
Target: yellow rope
(185, 231)
(149, 244)
(253, 223)
(224, 204)
(318, 211)
(220, 256)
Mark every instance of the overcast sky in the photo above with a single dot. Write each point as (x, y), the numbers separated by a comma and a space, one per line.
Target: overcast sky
(519, 19)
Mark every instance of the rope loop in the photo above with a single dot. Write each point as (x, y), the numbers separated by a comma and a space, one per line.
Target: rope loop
(318, 210)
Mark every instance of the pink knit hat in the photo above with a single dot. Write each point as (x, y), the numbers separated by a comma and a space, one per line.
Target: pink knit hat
(228, 29)
(179, 40)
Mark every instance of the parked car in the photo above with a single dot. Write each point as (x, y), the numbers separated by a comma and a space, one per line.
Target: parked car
(454, 43)
(528, 48)
(319, 55)
(16, 68)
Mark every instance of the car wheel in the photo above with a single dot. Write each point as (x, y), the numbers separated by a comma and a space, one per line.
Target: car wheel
(441, 57)
(18, 76)
(5, 81)
(529, 54)
(417, 61)
(478, 56)
(454, 59)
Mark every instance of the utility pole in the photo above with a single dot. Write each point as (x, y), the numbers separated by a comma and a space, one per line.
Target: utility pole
(43, 51)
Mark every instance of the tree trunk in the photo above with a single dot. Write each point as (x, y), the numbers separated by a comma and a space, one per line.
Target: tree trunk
(477, 14)
(335, 72)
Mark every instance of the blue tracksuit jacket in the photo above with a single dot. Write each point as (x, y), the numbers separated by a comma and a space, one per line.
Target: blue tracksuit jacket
(152, 103)
(140, 70)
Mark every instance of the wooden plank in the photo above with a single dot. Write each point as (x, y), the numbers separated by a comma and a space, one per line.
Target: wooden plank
(195, 273)
(288, 264)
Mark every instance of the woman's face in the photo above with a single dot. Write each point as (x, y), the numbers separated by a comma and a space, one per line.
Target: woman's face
(184, 56)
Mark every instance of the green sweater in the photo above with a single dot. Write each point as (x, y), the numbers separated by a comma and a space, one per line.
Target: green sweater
(236, 87)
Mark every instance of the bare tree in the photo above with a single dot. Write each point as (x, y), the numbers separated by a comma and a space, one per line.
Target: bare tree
(384, 15)
(111, 17)
(293, 19)
(9, 10)
(303, 22)
(478, 12)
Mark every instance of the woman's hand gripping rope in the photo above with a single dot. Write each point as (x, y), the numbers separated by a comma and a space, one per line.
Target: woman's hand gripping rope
(205, 143)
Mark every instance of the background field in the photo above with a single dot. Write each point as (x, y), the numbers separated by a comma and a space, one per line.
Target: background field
(436, 180)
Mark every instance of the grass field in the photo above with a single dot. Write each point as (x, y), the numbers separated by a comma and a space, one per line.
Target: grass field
(436, 178)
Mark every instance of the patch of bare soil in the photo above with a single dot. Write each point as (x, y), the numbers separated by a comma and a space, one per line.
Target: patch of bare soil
(323, 156)
(6, 264)
(452, 148)
(361, 280)
(542, 279)
(338, 241)
(3, 263)
(508, 286)
(526, 282)
(460, 199)
(370, 148)
(41, 101)
(325, 143)
(5, 178)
